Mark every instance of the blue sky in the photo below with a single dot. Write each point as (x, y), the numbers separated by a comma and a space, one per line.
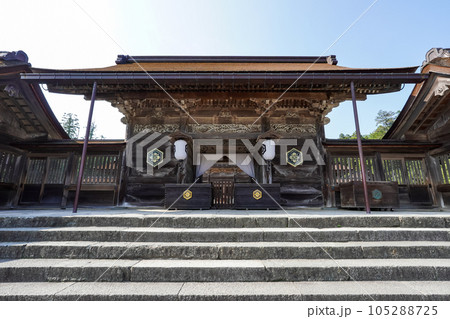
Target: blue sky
(58, 34)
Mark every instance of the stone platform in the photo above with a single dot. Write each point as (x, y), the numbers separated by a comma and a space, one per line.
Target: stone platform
(150, 254)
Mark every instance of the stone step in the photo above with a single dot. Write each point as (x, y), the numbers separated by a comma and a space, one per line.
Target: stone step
(230, 250)
(314, 291)
(234, 220)
(152, 234)
(166, 270)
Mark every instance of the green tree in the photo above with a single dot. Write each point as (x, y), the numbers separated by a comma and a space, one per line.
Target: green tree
(93, 132)
(384, 121)
(343, 136)
(386, 118)
(71, 125)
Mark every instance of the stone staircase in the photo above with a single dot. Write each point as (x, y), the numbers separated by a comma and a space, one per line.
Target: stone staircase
(224, 256)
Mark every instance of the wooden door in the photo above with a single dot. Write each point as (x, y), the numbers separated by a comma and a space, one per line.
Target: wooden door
(223, 193)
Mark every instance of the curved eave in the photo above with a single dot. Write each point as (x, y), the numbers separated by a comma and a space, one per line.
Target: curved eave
(74, 78)
(217, 68)
(37, 92)
(32, 94)
(414, 107)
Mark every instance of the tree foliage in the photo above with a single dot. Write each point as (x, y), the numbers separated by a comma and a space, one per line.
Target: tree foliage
(71, 125)
(93, 132)
(384, 121)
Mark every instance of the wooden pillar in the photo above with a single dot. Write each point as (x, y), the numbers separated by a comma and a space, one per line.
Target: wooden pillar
(360, 150)
(189, 165)
(44, 178)
(264, 173)
(330, 196)
(379, 171)
(323, 171)
(123, 179)
(433, 172)
(85, 144)
(269, 172)
(19, 176)
(67, 179)
(119, 176)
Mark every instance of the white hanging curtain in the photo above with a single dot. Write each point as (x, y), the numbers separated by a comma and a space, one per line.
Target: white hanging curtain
(245, 163)
(206, 162)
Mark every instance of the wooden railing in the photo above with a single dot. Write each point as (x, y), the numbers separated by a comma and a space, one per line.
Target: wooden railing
(393, 171)
(7, 166)
(51, 178)
(409, 172)
(36, 169)
(415, 171)
(444, 168)
(99, 169)
(348, 168)
(9, 170)
(403, 171)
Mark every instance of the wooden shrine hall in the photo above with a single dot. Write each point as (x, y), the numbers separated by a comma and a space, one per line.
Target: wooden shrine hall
(216, 132)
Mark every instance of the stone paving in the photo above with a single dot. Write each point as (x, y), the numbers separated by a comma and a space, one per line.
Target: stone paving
(135, 211)
(151, 254)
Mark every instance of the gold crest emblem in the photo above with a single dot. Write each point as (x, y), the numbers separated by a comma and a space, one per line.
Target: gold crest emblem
(257, 194)
(187, 194)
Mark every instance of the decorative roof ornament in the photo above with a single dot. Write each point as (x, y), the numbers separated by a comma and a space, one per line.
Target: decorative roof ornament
(438, 56)
(12, 90)
(16, 56)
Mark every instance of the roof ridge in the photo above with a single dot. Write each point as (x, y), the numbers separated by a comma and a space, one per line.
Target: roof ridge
(124, 59)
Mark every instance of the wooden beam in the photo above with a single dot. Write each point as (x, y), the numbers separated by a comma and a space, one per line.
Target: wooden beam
(25, 115)
(425, 115)
(22, 111)
(215, 95)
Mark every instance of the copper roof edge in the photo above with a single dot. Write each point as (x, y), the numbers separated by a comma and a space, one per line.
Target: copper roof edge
(410, 69)
(123, 59)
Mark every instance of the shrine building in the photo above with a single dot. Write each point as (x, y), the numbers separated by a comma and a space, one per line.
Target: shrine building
(225, 132)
